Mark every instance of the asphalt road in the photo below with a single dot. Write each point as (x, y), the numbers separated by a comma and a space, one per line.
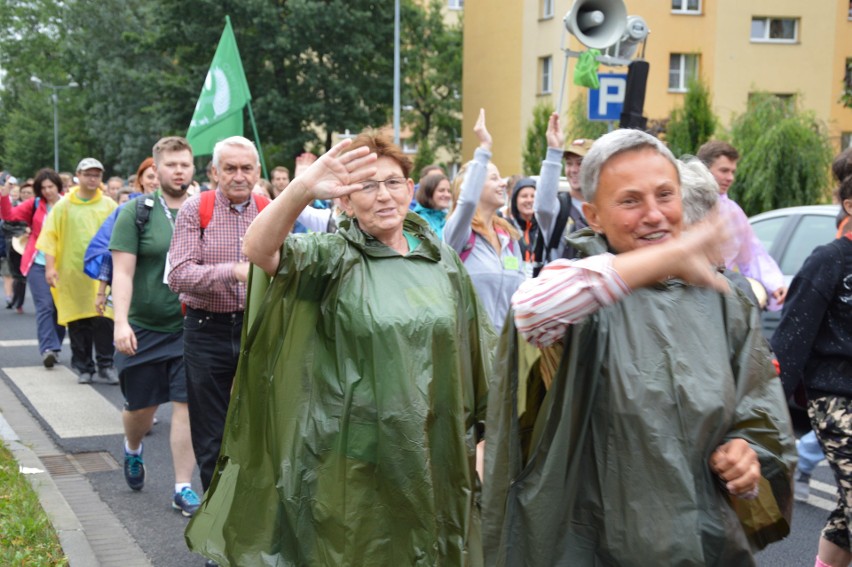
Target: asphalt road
(148, 516)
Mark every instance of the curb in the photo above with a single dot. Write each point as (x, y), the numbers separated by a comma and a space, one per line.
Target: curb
(72, 538)
(88, 531)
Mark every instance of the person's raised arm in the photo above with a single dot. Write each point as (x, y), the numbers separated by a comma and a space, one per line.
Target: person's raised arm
(457, 230)
(333, 175)
(546, 203)
(567, 292)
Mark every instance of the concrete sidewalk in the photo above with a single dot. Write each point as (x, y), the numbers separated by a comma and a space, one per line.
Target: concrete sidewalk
(90, 534)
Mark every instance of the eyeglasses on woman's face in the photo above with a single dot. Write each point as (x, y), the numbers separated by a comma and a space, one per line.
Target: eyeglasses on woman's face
(392, 184)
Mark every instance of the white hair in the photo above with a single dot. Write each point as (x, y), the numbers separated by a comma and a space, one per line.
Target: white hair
(699, 190)
(610, 145)
(234, 142)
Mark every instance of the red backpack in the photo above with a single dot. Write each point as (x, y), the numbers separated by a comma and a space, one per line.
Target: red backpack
(208, 199)
(205, 213)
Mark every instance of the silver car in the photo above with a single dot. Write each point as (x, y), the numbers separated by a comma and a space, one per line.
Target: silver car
(790, 235)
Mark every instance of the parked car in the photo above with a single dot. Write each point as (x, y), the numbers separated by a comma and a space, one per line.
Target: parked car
(790, 235)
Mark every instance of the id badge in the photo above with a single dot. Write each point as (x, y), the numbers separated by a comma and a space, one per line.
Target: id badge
(167, 270)
(511, 263)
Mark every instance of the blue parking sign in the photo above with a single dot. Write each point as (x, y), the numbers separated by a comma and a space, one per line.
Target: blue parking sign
(606, 103)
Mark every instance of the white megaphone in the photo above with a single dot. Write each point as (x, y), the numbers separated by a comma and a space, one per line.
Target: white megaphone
(597, 23)
(634, 34)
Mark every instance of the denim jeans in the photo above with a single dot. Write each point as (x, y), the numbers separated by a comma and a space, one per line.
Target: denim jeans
(50, 334)
(810, 453)
(211, 350)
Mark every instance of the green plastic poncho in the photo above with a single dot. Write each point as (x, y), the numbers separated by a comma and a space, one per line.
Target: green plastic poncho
(610, 465)
(351, 434)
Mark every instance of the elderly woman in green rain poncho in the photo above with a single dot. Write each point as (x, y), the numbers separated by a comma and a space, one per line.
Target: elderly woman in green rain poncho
(360, 394)
(663, 438)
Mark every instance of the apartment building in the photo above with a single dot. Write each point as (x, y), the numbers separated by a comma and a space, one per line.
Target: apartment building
(512, 60)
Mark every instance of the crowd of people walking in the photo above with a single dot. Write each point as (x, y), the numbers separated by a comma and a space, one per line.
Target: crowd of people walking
(466, 370)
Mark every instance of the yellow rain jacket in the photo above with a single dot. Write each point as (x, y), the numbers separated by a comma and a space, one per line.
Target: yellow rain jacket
(65, 235)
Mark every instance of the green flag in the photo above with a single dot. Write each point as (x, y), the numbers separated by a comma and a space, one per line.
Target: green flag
(219, 111)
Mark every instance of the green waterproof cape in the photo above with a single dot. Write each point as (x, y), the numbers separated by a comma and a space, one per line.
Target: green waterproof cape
(351, 433)
(610, 465)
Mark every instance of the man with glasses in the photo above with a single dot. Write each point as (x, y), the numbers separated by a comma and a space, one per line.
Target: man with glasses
(66, 233)
(209, 271)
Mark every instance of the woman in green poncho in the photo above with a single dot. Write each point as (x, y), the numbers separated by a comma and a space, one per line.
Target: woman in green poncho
(360, 393)
(663, 437)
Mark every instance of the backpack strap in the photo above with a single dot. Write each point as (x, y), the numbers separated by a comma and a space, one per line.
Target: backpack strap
(205, 209)
(468, 247)
(144, 204)
(260, 201)
(208, 202)
(542, 249)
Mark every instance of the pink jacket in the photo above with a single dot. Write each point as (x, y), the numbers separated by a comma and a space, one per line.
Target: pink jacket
(31, 214)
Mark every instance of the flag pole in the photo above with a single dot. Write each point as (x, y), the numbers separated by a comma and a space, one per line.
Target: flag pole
(257, 142)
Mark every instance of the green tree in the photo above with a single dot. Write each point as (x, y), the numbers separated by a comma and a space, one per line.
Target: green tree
(425, 156)
(693, 123)
(311, 66)
(535, 143)
(432, 71)
(579, 125)
(785, 155)
(31, 44)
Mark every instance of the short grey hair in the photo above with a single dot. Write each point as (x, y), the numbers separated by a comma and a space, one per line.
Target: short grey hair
(699, 190)
(234, 142)
(610, 145)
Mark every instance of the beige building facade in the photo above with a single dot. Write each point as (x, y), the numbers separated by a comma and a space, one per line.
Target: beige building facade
(513, 60)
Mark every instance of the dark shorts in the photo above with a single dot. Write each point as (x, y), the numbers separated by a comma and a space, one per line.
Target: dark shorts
(831, 420)
(155, 374)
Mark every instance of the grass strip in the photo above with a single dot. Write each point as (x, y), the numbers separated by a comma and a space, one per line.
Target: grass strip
(27, 538)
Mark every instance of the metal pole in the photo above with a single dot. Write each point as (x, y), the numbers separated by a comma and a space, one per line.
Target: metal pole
(55, 98)
(396, 84)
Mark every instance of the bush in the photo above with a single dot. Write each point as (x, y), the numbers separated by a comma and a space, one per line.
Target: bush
(579, 125)
(692, 124)
(535, 145)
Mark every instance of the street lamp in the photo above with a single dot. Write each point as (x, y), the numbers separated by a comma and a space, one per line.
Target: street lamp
(55, 98)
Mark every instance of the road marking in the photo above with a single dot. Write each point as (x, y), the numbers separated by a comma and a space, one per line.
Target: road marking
(71, 409)
(25, 342)
(824, 489)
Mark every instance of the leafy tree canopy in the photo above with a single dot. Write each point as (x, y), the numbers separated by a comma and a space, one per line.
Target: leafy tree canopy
(785, 155)
(313, 67)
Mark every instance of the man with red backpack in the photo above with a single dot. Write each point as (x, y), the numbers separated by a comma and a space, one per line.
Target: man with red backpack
(209, 271)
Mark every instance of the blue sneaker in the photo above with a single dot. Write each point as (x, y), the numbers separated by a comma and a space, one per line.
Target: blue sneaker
(134, 470)
(186, 501)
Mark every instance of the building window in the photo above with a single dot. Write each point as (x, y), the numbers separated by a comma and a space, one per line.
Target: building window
(847, 76)
(683, 67)
(686, 6)
(546, 9)
(776, 30)
(845, 141)
(455, 4)
(545, 66)
(409, 146)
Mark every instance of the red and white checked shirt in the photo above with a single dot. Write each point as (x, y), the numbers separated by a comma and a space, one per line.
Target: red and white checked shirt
(565, 293)
(203, 268)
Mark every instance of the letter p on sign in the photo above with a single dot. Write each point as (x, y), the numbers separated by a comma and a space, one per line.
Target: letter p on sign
(605, 103)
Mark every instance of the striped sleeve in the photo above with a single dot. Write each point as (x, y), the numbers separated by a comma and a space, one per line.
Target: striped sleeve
(565, 293)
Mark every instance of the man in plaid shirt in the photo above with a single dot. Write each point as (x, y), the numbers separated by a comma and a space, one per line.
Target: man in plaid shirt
(209, 271)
